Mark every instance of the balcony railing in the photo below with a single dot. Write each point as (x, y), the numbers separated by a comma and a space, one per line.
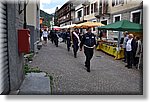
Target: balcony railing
(97, 14)
(102, 11)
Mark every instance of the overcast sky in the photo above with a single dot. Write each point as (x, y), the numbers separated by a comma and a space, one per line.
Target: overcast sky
(49, 6)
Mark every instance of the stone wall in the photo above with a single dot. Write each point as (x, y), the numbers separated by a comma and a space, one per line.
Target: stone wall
(15, 22)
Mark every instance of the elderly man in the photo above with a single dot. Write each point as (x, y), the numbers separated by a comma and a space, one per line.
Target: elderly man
(130, 50)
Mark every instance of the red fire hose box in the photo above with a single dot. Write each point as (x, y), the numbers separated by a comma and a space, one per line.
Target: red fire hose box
(24, 40)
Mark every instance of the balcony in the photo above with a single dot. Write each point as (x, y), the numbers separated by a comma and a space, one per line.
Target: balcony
(97, 14)
(64, 20)
(102, 12)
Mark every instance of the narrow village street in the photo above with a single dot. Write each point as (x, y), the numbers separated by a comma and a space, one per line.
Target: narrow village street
(107, 76)
(30, 64)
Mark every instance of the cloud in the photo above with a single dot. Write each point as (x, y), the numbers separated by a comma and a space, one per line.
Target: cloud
(51, 10)
(49, 6)
(44, 2)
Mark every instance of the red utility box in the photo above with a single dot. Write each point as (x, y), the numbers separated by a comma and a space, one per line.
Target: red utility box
(24, 40)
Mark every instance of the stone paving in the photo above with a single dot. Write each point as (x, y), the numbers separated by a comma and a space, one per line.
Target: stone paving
(107, 76)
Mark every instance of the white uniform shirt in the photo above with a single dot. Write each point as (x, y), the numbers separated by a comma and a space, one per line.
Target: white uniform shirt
(45, 34)
(128, 46)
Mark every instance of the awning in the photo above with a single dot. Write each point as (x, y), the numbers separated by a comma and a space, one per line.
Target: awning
(123, 25)
(88, 24)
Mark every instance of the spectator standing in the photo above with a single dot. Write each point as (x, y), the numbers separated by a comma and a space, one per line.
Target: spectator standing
(130, 50)
(138, 51)
(124, 45)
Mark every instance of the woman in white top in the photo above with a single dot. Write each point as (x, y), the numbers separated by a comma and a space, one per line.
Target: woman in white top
(45, 35)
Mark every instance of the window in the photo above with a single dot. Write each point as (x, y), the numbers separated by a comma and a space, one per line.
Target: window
(136, 16)
(116, 18)
(79, 13)
(104, 22)
(117, 2)
(105, 6)
(113, 2)
(91, 8)
(84, 11)
(95, 7)
(68, 15)
(88, 10)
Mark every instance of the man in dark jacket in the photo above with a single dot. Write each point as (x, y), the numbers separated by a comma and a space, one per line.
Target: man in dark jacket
(89, 42)
(76, 41)
(130, 50)
(56, 38)
(52, 35)
(68, 38)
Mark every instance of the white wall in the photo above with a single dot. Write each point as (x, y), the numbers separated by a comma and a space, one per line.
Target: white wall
(31, 14)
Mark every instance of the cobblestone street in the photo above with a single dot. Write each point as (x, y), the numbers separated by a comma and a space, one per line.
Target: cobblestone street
(107, 76)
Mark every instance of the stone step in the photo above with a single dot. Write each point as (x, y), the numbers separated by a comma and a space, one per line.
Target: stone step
(35, 84)
(41, 74)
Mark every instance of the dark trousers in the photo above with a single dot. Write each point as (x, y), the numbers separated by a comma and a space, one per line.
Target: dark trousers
(129, 58)
(52, 40)
(56, 42)
(75, 49)
(68, 44)
(89, 54)
(136, 61)
(125, 55)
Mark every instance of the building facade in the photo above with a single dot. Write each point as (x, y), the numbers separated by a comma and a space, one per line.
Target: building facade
(33, 22)
(110, 11)
(66, 14)
(11, 62)
(104, 11)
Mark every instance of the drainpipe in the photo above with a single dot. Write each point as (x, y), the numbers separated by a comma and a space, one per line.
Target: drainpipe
(25, 22)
